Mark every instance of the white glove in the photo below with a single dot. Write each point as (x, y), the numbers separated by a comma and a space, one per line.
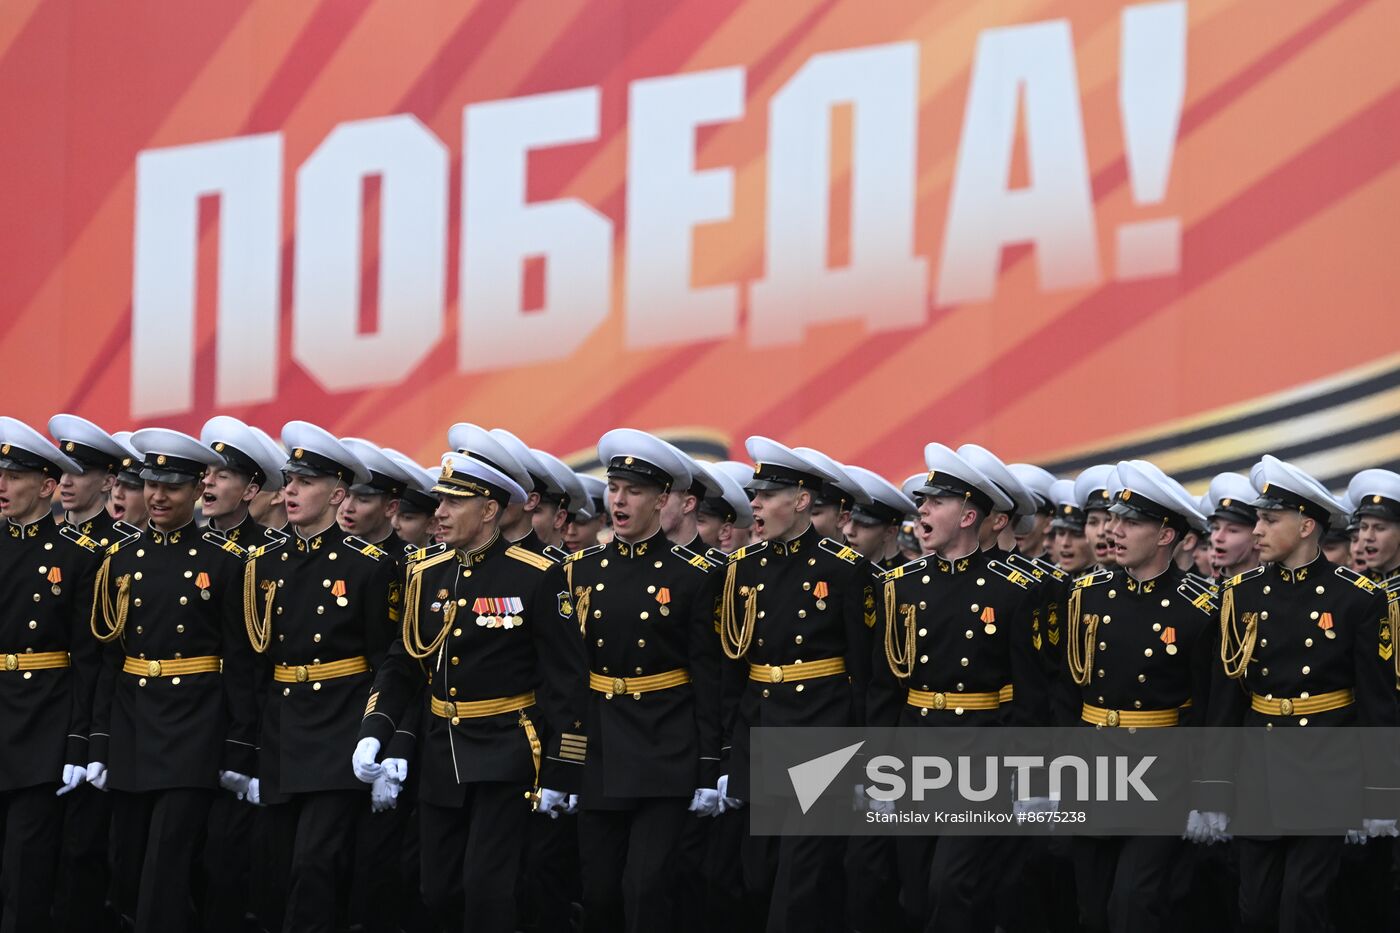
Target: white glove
(1381, 827)
(254, 792)
(705, 802)
(1356, 837)
(396, 769)
(552, 803)
(384, 793)
(363, 761)
(726, 802)
(858, 799)
(73, 775)
(97, 775)
(1207, 827)
(235, 783)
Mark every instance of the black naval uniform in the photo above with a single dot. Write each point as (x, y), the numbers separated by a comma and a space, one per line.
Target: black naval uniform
(645, 611)
(1322, 631)
(498, 703)
(802, 649)
(1138, 655)
(176, 705)
(83, 882)
(319, 608)
(952, 635)
(47, 683)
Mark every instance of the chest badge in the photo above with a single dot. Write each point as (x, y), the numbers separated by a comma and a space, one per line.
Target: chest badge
(989, 620)
(202, 581)
(1169, 639)
(55, 578)
(1325, 623)
(663, 598)
(338, 591)
(820, 592)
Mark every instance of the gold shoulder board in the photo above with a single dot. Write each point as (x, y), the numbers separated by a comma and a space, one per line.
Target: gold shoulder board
(538, 561)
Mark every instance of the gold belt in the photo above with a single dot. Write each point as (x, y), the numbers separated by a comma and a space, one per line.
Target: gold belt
(476, 709)
(926, 700)
(36, 661)
(1302, 706)
(174, 667)
(802, 670)
(616, 686)
(300, 674)
(1130, 718)
(1007, 693)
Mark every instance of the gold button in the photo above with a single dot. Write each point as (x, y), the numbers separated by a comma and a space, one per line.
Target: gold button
(805, 584)
(1142, 678)
(1307, 642)
(600, 643)
(975, 607)
(153, 668)
(925, 579)
(1321, 590)
(1166, 603)
(138, 574)
(798, 639)
(981, 581)
(603, 562)
(1137, 704)
(452, 691)
(183, 600)
(33, 624)
(1264, 615)
(286, 691)
(1313, 614)
(923, 632)
(316, 685)
(963, 662)
(1307, 669)
(645, 615)
(317, 637)
(600, 587)
(765, 691)
(1107, 619)
(188, 574)
(802, 613)
(641, 642)
(456, 721)
(456, 661)
(141, 682)
(1156, 626)
(1304, 720)
(180, 629)
(923, 659)
(174, 680)
(1103, 646)
(799, 687)
(967, 634)
(1147, 652)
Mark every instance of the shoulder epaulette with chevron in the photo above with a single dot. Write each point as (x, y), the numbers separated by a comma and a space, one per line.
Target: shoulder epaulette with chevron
(81, 540)
(1044, 566)
(1010, 573)
(224, 543)
(844, 551)
(526, 556)
(1093, 579)
(1026, 565)
(1239, 578)
(413, 554)
(1360, 581)
(432, 557)
(578, 555)
(1202, 599)
(555, 554)
(698, 561)
(361, 546)
(747, 551)
(717, 557)
(275, 540)
(128, 533)
(913, 566)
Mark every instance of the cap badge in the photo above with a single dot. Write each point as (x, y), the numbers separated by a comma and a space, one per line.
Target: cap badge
(1376, 499)
(5, 449)
(160, 460)
(298, 454)
(1127, 494)
(627, 460)
(219, 446)
(69, 447)
(1226, 502)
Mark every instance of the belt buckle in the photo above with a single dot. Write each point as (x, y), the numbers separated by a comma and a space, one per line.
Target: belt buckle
(302, 674)
(11, 662)
(450, 709)
(1112, 718)
(775, 674)
(619, 686)
(1286, 707)
(153, 668)
(940, 701)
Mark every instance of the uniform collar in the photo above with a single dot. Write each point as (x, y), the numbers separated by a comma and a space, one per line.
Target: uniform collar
(243, 529)
(317, 541)
(1151, 585)
(802, 544)
(657, 542)
(28, 529)
(171, 537)
(1308, 571)
(961, 564)
(472, 558)
(92, 524)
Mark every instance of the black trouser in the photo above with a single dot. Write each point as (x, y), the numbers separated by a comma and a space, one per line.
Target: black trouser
(1284, 882)
(33, 828)
(802, 878)
(690, 909)
(1124, 883)
(549, 885)
(228, 855)
(84, 877)
(625, 858)
(472, 856)
(947, 882)
(733, 908)
(385, 897)
(313, 837)
(158, 836)
(872, 883)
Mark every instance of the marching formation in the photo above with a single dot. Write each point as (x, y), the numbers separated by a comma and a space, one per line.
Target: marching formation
(309, 685)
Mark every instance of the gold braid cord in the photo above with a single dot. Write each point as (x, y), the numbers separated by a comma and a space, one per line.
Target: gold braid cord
(113, 617)
(412, 637)
(901, 664)
(736, 636)
(1393, 614)
(1236, 649)
(259, 627)
(533, 737)
(1081, 631)
(581, 602)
